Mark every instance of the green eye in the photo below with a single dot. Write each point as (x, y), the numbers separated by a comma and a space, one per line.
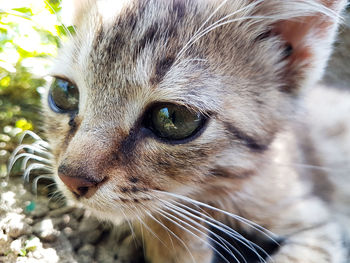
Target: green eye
(63, 96)
(174, 122)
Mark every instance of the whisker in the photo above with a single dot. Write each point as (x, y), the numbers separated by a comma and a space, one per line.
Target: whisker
(198, 33)
(167, 215)
(34, 147)
(35, 166)
(224, 243)
(129, 224)
(224, 229)
(35, 137)
(35, 181)
(173, 234)
(151, 231)
(199, 29)
(28, 156)
(253, 225)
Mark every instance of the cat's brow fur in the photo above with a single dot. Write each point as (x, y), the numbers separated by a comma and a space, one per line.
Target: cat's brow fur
(240, 76)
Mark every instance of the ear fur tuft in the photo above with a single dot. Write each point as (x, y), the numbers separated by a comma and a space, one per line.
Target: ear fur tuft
(311, 37)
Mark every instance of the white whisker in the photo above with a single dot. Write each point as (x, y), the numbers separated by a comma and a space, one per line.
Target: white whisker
(253, 225)
(168, 215)
(35, 181)
(35, 137)
(151, 231)
(173, 234)
(27, 156)
(35, 166)
(198, 34)
(221, 227)
(184, 48)
(224, 243)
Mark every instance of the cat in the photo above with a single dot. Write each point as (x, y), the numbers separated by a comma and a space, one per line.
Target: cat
(187, 118)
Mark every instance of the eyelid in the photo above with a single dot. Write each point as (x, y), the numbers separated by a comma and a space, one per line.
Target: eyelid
(64, 79)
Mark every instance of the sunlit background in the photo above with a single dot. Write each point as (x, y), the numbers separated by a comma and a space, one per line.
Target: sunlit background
(30, 33)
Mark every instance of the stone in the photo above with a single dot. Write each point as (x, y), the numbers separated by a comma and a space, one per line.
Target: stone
(45, 230)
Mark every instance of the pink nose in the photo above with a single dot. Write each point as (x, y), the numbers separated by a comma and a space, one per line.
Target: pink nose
(80, 186)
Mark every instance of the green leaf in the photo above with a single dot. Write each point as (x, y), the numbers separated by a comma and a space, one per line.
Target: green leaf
(23, 252)
(24, 10)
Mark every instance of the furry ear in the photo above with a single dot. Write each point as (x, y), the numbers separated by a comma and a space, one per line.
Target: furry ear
(309, 39)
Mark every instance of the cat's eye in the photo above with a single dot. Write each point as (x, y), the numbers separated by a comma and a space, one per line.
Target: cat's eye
(63, 96)
(174, 122)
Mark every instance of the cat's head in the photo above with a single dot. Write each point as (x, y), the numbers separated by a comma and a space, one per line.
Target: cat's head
(178, 96)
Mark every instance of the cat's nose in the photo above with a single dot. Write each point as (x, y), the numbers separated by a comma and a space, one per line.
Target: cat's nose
(80, 186)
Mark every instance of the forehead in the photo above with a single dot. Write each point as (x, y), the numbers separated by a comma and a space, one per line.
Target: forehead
(133, 56)
(139, 45)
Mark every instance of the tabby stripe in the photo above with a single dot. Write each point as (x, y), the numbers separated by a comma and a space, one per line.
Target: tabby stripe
(249, 141)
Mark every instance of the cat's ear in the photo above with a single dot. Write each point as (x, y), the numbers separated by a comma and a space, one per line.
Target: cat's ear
(309, 40)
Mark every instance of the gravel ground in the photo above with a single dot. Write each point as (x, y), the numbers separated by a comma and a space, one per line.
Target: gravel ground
(35, 228)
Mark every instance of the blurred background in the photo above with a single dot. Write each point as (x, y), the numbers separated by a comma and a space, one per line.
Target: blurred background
(30, 34)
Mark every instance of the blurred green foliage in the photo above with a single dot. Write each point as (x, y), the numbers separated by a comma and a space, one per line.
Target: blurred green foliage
(29, 35)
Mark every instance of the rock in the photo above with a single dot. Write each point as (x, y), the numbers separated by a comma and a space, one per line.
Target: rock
(14, 225)
(16, 246)
(32, 244)
(64, 249)
(45, 230)
(86, 253)
(5, 242)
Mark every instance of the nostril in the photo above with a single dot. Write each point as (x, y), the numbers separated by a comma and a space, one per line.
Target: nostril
(83, 190)
(80, 186)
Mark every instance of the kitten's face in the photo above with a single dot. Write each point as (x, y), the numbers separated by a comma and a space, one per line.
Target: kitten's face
(233, 87)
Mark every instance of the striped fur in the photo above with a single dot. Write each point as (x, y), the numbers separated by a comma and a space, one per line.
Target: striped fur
(245, 64)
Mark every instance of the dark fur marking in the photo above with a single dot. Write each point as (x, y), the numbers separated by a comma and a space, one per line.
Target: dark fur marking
(124, 189)
(179, 8)
(263, 36)
(249, 141)
(224, 173)
(151, 35)
(133, 179)
(124, 200)
(72, 123)
(114, 46)
(134, 189)
(288, 51)
(162, 67)
(128, 145)
(135, 200)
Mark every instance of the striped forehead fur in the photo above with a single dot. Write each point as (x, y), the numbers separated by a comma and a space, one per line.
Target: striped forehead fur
(240, 15)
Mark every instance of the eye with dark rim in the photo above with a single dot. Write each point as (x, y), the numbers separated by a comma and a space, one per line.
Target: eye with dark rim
(63, 96)
(173, 123)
